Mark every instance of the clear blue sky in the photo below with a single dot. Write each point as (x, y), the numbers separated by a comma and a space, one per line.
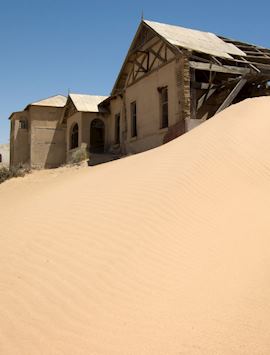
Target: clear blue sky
(50, 46)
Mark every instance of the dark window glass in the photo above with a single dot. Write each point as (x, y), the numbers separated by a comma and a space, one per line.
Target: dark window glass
(117, 129)
(23, 124)
(164, 107)
(74, 142)
(133, 116)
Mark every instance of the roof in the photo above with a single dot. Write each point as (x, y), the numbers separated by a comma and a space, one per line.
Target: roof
(87, 103)
(178, 37)
(205, 42)
(14, 113)
(53, 101)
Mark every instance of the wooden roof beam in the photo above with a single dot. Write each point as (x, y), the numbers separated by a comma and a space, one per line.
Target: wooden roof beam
(220, 69)
(232, 95)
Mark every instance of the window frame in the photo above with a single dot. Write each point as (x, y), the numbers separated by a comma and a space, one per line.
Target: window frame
(117, 120)
(164, 107)
(23, 123)
(74, 143)
(133, 119)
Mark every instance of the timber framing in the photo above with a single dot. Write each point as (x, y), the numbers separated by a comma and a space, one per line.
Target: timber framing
(234, 79)
(147, 51)
(205, 83)
(69, 110)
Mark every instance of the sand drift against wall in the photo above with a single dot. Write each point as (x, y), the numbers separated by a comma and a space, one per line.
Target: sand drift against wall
(165, 252)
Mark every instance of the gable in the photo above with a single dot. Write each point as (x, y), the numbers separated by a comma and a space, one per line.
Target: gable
(148, 50)
(70, 108)
(87, 103)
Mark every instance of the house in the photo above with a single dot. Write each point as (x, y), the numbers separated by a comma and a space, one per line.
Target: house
(172, 79)
(85, 123)
(37, 138)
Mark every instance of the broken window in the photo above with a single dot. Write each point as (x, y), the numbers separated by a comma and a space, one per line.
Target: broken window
(23, 124)
(117, 129)
(164, 107)
(133, 116)
(74, 137)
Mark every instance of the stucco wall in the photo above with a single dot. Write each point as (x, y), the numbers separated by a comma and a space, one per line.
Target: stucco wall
(116, 107)
(84, 119)
(145, 93)
(19, 140)
(71, 121)
(48, 147)
(87, 118)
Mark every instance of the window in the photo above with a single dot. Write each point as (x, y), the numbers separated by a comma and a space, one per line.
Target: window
(117, 129)
(133, 116)
(74, 142)
(0, 158)
(23, 124)
(164, 121)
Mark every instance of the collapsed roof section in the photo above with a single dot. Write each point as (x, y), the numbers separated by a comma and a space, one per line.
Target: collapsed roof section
(206, 52)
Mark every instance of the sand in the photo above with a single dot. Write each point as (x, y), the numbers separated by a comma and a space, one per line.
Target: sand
(165, 252)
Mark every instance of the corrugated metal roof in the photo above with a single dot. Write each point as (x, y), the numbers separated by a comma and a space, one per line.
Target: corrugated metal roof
(87, 103)
(54, 101)
(205, 42)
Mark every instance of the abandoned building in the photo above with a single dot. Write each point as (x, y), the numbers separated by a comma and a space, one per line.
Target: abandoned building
(36, 136)
(172, 79)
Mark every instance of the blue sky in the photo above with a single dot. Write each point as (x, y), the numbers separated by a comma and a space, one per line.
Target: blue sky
(50, 46)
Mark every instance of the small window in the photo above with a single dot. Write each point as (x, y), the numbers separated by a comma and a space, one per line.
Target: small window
(23, 124)
(0, 158)
(74, 142)
(117, 129)
(164, 107)
(133, 116)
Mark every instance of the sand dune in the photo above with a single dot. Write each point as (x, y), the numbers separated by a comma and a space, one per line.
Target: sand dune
(165, 252)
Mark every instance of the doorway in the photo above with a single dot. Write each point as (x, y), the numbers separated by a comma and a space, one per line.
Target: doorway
(97, 136)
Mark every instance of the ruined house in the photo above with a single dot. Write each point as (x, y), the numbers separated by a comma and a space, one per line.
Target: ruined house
(172, 79)
(37, 138)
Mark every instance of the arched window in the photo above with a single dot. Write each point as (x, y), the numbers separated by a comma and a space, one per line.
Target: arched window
(74, 141)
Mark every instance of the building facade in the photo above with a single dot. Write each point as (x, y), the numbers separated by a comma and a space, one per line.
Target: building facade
(172, 79)
(37, 139)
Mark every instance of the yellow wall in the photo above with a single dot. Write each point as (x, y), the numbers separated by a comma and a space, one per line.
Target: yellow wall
(84, 119)
(48, 148)
(145, 93)
(19, 140)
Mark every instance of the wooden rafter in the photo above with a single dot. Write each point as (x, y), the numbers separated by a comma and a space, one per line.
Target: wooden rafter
(232, 95)
(229, 69)
(143, 61)
(206, 96)
(157, 54)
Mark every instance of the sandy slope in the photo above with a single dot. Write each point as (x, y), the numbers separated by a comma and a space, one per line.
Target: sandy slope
(166, 252)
